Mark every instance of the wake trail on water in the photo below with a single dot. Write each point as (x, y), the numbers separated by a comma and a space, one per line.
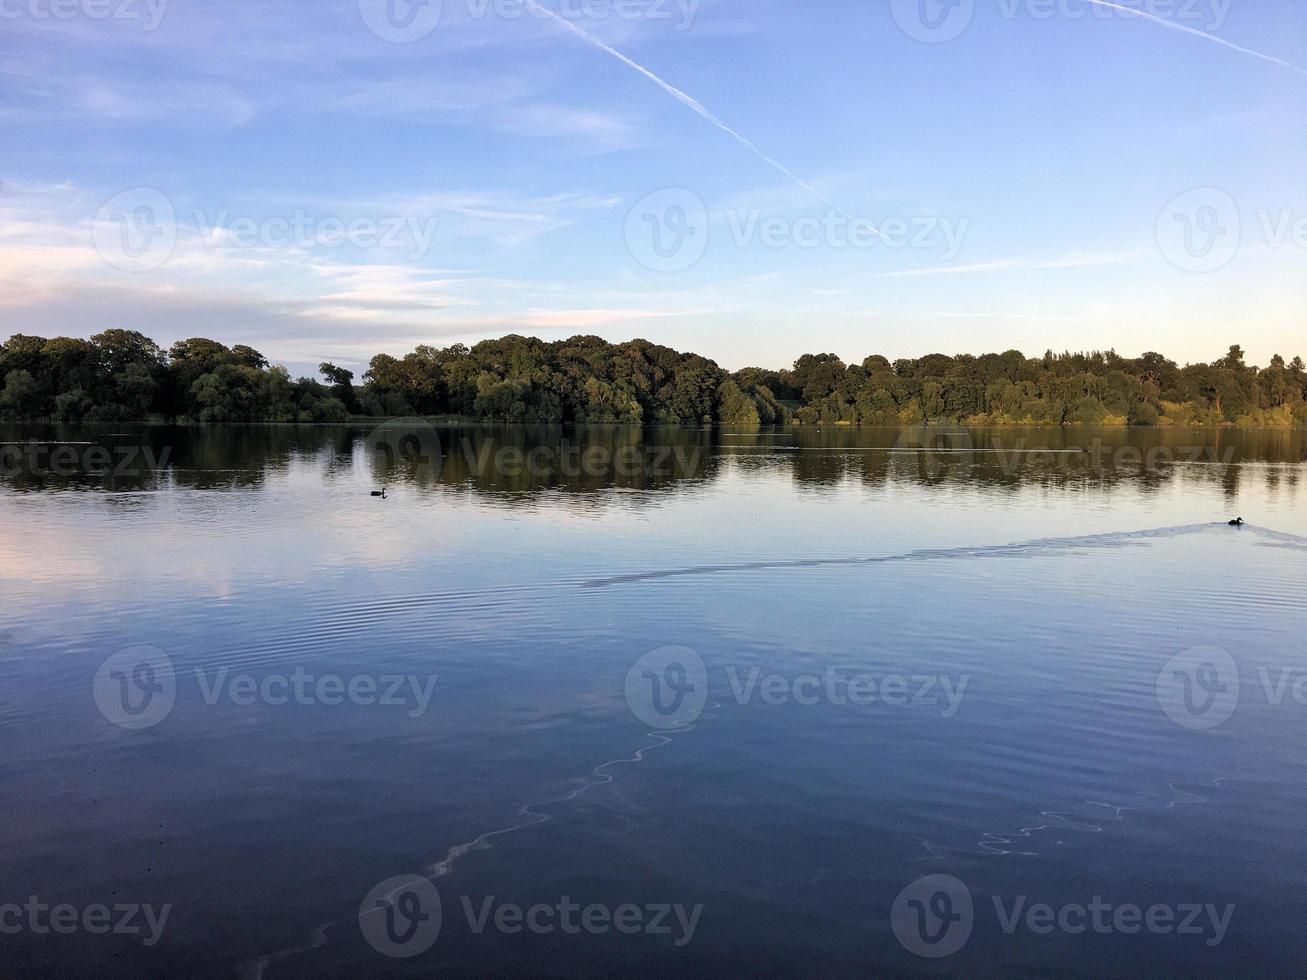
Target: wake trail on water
(1037, 546)
(531, 816)
(1003, 843)
(992, 843)
(336, 622)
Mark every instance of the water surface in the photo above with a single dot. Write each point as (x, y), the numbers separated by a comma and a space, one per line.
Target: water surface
(1026, 587)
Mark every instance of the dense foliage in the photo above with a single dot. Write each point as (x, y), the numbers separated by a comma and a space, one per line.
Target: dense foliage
(1099, 388)
(121, 374)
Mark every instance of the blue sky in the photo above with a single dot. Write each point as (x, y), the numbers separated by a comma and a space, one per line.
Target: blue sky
(325, 180)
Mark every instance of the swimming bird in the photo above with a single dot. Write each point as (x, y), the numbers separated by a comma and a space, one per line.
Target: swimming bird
(1237, 522)
(379, 493)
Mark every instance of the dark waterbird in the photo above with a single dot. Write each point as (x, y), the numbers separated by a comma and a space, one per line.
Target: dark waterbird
(1237, 522)
(379, 493)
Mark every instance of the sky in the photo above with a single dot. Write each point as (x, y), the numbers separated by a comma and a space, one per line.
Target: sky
(747, 179)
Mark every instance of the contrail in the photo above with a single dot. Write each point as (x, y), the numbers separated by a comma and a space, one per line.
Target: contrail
(700, 109)
(1197, 33)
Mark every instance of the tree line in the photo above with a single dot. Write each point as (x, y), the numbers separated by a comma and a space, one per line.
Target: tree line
(123, 375)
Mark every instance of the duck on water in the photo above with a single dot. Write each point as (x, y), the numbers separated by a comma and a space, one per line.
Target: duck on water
(1237, 522)
(380, 493)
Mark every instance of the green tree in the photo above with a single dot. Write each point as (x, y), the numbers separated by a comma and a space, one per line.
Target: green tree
(20, 394)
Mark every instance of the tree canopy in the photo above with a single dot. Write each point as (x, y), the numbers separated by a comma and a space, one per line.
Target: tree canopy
(122, 374)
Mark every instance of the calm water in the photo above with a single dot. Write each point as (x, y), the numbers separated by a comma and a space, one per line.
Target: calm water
(765, 683)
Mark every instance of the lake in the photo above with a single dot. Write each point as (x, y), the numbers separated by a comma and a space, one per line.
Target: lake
(600, 702)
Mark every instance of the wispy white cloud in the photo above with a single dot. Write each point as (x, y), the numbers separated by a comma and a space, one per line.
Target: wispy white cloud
(203, 102)
(1073, 261)
(1174, 25)
(695, 106)
(297, 299)
(1025, 317)
(605, 130)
